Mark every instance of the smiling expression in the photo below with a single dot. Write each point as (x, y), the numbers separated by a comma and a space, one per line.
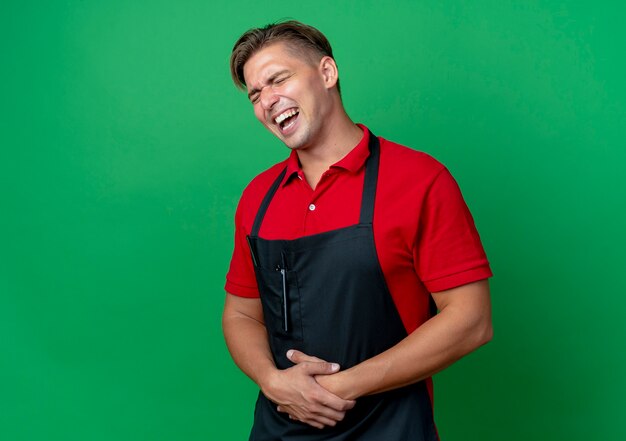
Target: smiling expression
(291, 95)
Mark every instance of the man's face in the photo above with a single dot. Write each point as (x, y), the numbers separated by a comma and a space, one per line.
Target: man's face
(289, 94)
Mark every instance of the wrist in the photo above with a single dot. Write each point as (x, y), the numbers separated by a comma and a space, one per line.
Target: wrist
(266, 377)
(338, 384)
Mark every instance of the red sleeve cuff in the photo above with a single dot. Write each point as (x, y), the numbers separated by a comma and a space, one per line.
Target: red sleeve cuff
(459, 279)
(233, 288)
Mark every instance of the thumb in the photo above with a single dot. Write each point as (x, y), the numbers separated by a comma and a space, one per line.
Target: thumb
(296, 357)
(320, 368)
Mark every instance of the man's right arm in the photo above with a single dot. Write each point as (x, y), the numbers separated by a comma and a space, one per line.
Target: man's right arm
(294, 389)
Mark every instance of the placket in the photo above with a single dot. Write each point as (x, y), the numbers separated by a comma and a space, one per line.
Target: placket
(314, 206)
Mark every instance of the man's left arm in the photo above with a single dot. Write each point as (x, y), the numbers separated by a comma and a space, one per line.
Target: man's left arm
(462, 325)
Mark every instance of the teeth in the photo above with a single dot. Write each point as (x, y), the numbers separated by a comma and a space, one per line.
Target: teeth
(286, 114)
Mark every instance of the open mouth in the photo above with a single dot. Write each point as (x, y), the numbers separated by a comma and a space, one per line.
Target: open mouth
(287, 119)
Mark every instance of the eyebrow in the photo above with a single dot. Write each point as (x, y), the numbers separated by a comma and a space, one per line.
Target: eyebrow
(269, 80)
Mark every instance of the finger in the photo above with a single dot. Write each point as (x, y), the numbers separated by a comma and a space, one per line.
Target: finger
(329, 400)
(320, 422)
(292, 416)
(320, 368)
(350, 404)
(324, 414)
(337, 404)
(317, 421)
(314, 424)
(299, 357)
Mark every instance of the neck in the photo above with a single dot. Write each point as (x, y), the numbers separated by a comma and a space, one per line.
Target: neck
(341, 136)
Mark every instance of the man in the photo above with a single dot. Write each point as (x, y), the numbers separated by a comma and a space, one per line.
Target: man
(342, 252)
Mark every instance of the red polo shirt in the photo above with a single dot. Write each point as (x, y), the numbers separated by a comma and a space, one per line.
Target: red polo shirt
(425, 235)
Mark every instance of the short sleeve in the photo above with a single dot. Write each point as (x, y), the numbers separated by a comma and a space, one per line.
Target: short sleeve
(448, 251)
(240, 279)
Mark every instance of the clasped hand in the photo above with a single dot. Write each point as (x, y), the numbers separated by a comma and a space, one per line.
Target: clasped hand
(297, 392)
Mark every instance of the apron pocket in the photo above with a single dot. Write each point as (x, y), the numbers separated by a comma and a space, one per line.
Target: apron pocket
(280, 298)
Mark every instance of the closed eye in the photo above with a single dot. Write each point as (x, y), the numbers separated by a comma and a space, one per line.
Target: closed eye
(276, 79)
(282, 78)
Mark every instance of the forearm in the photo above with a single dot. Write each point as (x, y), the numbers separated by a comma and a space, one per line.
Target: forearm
(293, 390)
(246, 339)
(435, 345)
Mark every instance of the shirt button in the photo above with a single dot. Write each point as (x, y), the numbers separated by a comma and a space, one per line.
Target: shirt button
(312, 207)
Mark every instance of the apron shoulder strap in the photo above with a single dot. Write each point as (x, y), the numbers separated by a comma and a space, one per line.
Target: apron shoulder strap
(260, 214)
(370, 180)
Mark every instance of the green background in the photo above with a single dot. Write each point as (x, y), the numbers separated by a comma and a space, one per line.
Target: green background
(125, 147)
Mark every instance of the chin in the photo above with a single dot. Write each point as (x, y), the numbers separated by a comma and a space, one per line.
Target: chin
(295, 145)
(297, 141)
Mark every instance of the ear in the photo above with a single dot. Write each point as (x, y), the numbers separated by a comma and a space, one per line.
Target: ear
(328, 69)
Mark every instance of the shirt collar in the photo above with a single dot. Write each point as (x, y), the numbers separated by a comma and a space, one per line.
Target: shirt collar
(352, 162)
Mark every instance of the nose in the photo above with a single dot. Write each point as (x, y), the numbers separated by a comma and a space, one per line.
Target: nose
(268, 97)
